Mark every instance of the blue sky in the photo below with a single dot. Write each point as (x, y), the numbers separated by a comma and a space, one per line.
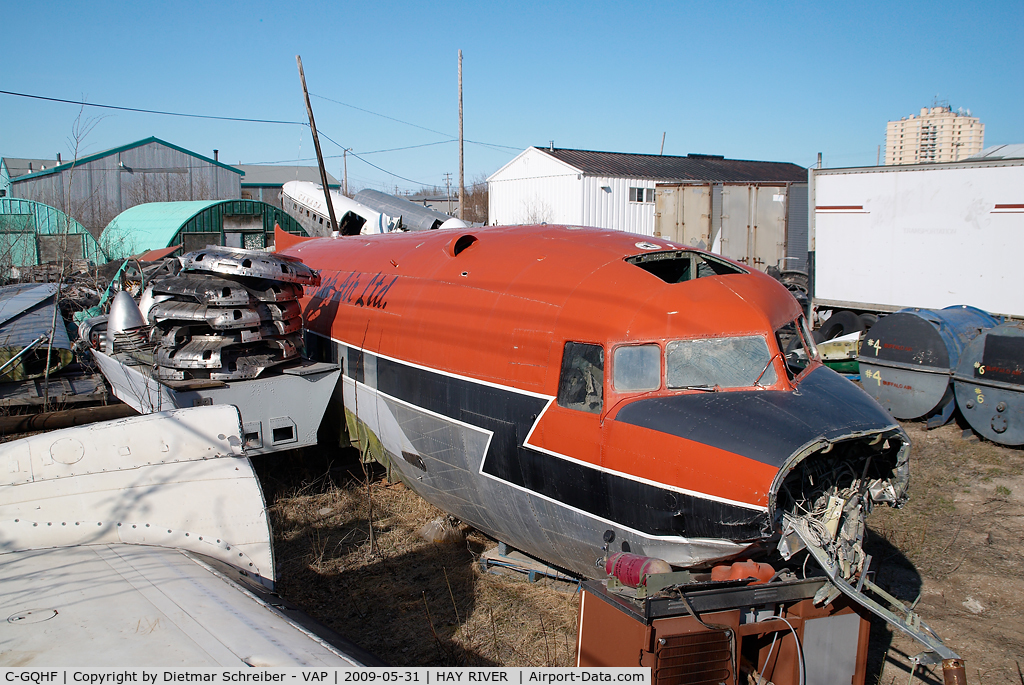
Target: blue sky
(766, 81)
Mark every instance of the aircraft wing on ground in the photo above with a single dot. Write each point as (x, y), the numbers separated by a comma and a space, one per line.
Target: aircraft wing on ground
(135, 605)
(144, 541)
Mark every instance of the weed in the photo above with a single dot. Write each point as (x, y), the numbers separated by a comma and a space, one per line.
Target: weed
(417, 603)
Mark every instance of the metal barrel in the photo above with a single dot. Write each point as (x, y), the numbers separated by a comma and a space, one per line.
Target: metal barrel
(989, 384)
(907, 358)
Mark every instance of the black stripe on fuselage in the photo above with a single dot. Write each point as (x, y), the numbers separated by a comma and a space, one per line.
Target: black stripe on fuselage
(510, 416)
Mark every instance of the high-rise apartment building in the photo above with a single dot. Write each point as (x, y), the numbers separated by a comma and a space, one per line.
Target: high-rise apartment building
(938, 134)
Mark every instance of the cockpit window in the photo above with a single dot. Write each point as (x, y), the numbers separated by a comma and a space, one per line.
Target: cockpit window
(677, 266)
(796, 339)
(637, 368)
(581, 383)
(351, 224)
(711, 363)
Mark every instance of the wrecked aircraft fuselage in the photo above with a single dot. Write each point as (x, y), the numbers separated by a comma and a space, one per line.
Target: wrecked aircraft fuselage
(575, 392)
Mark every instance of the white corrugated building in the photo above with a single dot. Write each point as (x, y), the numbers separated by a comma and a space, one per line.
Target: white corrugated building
(609, 189)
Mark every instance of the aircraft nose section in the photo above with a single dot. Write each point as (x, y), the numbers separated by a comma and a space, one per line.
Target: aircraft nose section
(770, 427)
(834, 451)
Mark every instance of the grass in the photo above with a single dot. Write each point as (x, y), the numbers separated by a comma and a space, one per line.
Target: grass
(944, 468)
(409, 601)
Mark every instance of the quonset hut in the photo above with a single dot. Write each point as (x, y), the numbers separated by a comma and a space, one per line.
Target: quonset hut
(194, 225)
(33, 233)
(98, 187)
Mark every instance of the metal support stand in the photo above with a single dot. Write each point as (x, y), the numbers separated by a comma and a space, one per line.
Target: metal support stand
(906, 620)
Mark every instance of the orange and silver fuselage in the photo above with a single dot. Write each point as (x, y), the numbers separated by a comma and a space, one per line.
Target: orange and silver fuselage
(549, 384)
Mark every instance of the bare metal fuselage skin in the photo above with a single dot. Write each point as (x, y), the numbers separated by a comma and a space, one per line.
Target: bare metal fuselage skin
(456, 347)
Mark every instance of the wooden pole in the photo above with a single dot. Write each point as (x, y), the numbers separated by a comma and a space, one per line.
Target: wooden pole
(462, 176)
(316, 144)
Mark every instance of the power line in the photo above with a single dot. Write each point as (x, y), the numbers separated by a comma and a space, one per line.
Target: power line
(407, 147)
(82, 103)
(494, 146)
(378, 114)
(407, 123)
(370, 163)
(372, 152)
(153, 111)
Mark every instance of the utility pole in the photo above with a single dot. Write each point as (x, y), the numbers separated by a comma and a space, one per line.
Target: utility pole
(462, 176)
(662, 143)
(344, 159)
(316, 144)
(448, 190)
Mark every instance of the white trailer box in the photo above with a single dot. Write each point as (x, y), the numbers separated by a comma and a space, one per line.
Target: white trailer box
(927, 235)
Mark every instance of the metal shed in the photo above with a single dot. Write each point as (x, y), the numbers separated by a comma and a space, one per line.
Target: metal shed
(264, 182)
(33, 233)
(13, 167)
(194, 225)
(96, 188)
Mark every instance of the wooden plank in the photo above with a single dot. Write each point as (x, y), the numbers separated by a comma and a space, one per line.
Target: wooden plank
(72, 389)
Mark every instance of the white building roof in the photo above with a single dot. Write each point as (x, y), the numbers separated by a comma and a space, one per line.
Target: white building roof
(1013, 151)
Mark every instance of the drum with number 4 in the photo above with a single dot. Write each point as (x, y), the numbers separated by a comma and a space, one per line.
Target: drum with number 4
(907, 358)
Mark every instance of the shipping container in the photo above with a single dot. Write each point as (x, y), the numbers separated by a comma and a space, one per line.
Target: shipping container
(748, 222)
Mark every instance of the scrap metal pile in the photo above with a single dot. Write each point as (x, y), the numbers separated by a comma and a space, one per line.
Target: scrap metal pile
(219, 313)
(228, 315)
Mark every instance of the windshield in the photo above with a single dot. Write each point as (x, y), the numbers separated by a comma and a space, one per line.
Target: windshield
(710, 363)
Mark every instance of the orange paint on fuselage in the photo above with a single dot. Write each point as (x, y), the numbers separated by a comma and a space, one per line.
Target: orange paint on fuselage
(502, 309)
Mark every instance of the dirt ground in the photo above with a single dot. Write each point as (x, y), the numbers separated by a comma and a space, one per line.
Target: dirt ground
(957, 543)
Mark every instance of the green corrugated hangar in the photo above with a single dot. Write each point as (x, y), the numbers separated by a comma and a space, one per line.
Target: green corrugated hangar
(34, 233)
(194, 225)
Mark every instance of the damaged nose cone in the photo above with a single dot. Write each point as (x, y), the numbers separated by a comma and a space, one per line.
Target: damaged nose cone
(822, 497)
(830, 487)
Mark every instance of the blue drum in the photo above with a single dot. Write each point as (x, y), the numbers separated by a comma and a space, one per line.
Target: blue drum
(907, 358)
(989, 384)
